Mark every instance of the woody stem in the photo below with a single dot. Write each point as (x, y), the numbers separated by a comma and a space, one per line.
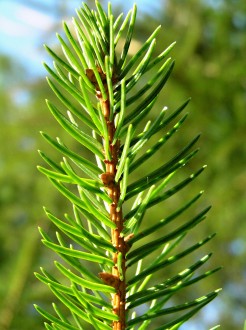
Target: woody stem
(119, 268)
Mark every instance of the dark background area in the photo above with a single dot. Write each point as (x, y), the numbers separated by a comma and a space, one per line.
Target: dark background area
(210, 67)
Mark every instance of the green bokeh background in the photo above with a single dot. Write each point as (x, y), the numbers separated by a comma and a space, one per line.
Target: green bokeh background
(211, 68)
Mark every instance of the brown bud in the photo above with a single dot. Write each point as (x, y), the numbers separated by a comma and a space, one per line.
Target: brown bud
(107, 179)
(110, 279)
(90, 74)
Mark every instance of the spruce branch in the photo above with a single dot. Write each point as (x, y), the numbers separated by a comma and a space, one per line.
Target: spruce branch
(101, 111)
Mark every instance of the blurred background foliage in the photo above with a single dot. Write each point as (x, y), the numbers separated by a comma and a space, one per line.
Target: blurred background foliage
(211, 68)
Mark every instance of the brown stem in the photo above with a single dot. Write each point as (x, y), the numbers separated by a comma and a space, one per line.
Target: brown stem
(118, 275)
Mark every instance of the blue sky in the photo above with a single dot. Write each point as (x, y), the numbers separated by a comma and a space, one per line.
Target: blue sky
(20, 30)
(24, 27)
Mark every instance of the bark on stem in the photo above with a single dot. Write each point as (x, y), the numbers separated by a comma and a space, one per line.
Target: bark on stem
(119, 270)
